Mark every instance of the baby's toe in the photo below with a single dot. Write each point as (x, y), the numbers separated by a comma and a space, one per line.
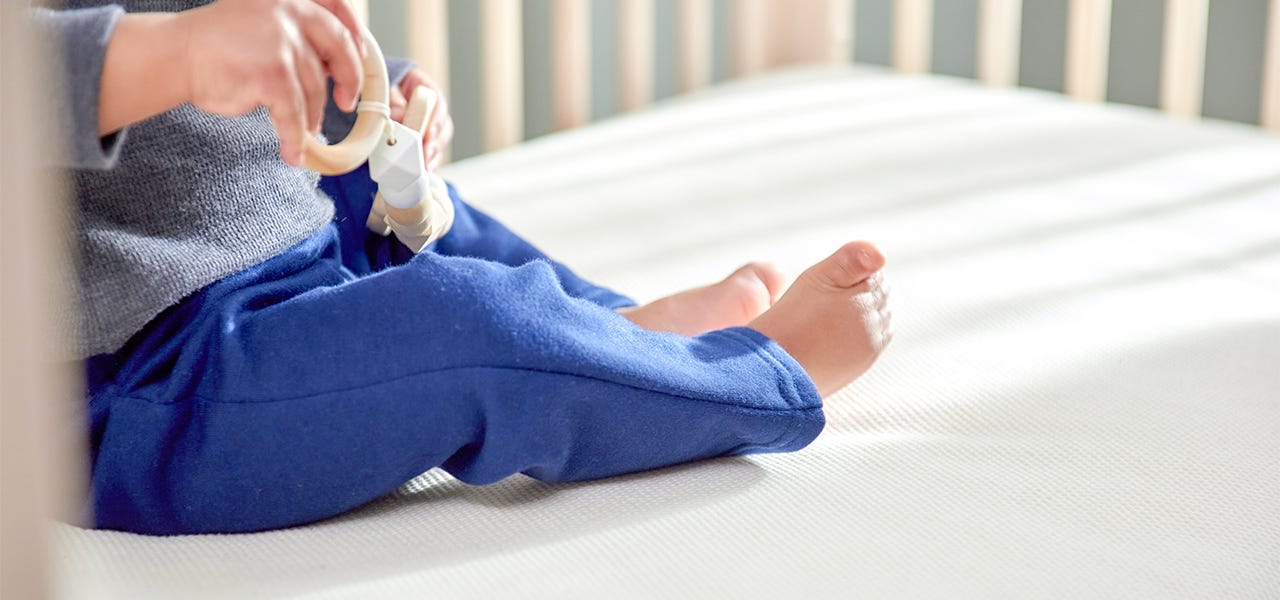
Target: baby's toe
(851, 265)
(763, 274)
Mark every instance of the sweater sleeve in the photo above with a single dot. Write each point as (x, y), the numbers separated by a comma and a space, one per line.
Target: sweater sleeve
(80, 39)
(336, 122)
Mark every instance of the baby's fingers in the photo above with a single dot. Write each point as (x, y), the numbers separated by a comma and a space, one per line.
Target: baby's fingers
(434, 156)
(288, 115)
(442, 127)
(398, 105)
(436, 139)
(343, 11)
(311, 80)
(332, 41)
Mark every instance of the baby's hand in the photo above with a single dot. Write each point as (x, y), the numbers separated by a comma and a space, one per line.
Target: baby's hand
(439, 123)
(835, 319)
(274, 53)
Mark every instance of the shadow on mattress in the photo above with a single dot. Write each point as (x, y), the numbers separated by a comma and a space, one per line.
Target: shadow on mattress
(435, 522)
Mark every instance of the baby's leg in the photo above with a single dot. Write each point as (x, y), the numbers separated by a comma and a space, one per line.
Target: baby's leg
(294, 393)
(732, 302)
(835, 319)
(474, 234)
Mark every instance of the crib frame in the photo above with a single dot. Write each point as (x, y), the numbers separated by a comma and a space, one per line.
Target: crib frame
(42, 474)
(765, 34)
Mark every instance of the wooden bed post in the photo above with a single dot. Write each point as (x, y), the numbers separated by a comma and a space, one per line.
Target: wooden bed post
(820, 31)
(1270, 117)
(695, 44)
(999, 39)
(503, 73)
(912, 35)
(770, 34)
(1088, 49)
(428, 44)
(752, 44)
(42, 471)
(1186, 26)
(635, 54)
(570, 63)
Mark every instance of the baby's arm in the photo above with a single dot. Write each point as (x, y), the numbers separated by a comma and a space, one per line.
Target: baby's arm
(79, 38)
(227, 58)
(140, 77)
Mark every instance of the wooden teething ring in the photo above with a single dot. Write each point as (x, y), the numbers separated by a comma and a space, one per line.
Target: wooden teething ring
(345, 156)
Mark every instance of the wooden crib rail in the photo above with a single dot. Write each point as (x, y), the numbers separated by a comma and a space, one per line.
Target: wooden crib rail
(999, 36)
(570, 67)
(42, 467)
(635, 53)
(38, 467)
(1270, 117)
(753, 36)
(1088, 46)
(694, 41)
(913, 35)
(1186, 27)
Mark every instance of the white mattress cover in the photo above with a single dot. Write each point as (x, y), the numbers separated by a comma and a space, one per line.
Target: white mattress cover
(1083, 398)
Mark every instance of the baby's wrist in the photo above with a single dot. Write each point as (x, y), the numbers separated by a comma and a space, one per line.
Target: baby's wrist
(177, 32)
(142, 72)
(163, 38)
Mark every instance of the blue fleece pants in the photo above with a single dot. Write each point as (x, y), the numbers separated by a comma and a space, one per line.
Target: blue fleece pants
(329, 375)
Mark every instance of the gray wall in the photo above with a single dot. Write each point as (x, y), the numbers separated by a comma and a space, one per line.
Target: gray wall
(1233, 68)
(955, 38)
(1137, 37)
(1233, 62)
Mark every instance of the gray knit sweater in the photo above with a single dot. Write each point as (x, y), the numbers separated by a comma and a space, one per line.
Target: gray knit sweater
(173, 203)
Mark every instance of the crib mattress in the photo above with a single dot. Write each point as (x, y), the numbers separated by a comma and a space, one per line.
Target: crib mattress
(1082, 399)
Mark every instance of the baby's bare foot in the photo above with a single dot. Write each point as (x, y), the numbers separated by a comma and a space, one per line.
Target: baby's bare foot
(835, 319)
(733, 302)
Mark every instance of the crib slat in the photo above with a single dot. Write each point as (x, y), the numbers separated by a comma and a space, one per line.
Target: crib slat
(999, 41)
(752, 44)
(427, 28)
(912, 35)
(426, 25)
(635, 53)
(42, 468)
(501, 73)
(1270, 117)
(695, 44)
(1186, 26)
(817, 31)
(570, 63)
(1088, 49)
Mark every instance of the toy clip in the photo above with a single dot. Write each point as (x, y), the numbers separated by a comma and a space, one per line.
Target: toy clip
(411, 202)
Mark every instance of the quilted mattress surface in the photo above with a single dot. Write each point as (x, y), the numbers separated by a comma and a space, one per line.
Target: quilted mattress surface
(1082, 398)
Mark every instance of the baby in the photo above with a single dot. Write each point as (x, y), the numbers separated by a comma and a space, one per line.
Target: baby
(257, 359)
